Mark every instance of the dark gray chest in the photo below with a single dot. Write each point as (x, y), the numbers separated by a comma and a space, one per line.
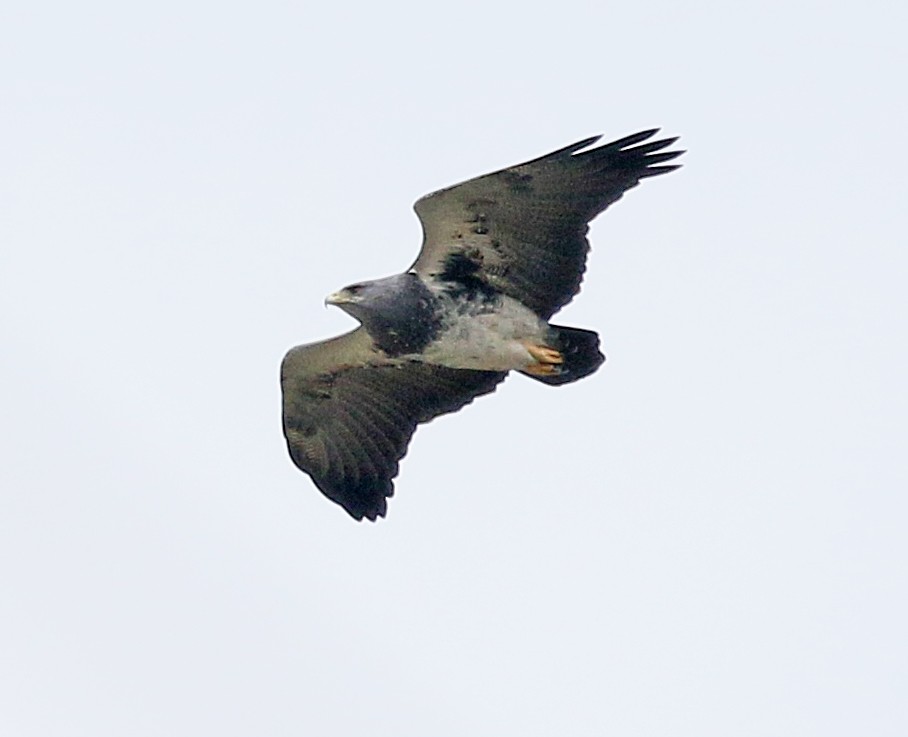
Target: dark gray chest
(406, 324)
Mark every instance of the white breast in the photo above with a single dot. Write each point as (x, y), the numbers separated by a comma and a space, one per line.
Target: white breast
(490, 339)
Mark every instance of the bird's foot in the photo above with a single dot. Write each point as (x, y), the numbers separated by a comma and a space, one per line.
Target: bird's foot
(543, 369)
(548, 360)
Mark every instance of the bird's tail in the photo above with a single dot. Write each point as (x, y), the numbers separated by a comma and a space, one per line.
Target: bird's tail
(580, 356)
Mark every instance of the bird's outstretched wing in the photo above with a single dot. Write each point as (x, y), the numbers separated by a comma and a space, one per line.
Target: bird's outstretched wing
(522, 230)
(349, 414)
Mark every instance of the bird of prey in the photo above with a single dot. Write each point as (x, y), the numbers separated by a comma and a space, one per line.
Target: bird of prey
(500, 255)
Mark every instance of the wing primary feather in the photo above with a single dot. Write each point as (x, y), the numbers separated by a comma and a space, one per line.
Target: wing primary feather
(647, 148)
(653, 171)
(657, 158)
(576, 146)
(566, 151)
(632, 139)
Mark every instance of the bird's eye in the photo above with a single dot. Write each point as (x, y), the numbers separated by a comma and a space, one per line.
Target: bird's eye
(354, 288)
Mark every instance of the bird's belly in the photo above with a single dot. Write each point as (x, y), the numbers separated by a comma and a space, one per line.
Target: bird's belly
(488, 342)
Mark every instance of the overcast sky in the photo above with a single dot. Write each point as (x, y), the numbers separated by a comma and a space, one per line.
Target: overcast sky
(706, 538)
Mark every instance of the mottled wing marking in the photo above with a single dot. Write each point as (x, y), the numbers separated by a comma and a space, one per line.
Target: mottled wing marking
(524, 228)
(349, 414)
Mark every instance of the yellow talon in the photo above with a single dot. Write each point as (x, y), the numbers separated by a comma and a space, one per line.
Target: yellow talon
(542, 369)
(547, 360)
(545, 355)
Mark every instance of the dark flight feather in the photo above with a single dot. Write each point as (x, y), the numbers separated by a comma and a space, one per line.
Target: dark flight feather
(349, 414)
(525, 227)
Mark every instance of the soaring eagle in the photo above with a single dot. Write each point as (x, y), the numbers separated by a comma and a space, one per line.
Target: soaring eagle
(500, 255)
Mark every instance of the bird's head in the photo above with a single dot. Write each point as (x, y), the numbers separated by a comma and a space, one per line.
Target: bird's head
(387, 298)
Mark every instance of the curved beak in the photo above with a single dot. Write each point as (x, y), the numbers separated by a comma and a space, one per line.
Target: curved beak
(339, 298)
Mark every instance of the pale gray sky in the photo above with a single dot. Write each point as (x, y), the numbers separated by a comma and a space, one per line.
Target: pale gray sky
(706, 538)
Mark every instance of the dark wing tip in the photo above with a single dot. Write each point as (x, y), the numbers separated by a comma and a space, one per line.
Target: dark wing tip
(371, 513)
(632, 139)
(659, 158)
(579, 145)
(654, 171)
(566, 151)
(631, 155)
(368, 498)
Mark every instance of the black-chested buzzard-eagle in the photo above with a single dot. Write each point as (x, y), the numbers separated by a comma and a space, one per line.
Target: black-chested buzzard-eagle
(501, 254)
